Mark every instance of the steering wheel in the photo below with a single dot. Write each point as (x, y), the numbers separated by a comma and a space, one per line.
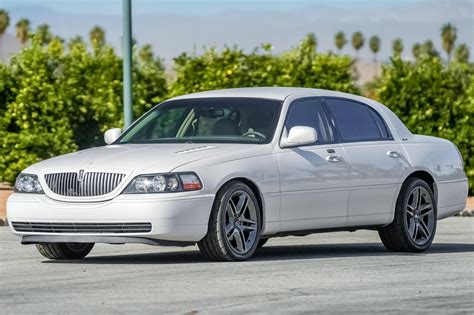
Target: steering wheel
(254, 133)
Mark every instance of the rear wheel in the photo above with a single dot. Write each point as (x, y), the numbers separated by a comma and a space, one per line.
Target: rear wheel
(64, 250)
(414, 225)
(234, 225)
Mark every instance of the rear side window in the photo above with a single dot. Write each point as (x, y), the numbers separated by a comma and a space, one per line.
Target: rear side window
(357, 122)
(310, 113)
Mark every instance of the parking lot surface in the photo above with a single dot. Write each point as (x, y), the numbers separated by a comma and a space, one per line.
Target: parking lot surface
(333, 272)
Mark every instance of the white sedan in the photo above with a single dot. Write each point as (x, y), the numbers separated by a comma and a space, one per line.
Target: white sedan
(230, 169)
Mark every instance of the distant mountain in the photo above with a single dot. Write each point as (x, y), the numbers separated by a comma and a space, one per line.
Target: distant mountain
(172, 33)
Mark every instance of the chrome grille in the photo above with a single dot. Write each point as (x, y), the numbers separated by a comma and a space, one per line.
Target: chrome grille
(93, 183)
(77, 228)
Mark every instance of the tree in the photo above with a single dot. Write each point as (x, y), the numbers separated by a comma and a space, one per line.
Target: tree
(448, 36)
(76, 40)
(461, 54)
(97, 37)
(4, 23)
(416, 50)
(374, 44)
(146, 53)
(309, 44)
(357, 42)
(428, 49)
(23, 30)
(397, 47)
(340, 40)
(43, 34)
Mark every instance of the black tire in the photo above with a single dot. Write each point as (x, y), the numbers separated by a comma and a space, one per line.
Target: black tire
(262, 242)
(64, 250)
(396, 236)
(215, 245)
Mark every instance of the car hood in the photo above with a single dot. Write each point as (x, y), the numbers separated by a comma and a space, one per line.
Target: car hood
(132, 158)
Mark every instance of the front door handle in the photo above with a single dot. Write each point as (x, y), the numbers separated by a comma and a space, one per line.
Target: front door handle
(394, 154)
(334, 158)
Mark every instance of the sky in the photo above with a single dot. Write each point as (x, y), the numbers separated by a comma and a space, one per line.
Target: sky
(192, 6)
(176, 26)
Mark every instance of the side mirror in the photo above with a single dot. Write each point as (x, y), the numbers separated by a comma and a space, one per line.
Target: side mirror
(300, 135)
(111, 135)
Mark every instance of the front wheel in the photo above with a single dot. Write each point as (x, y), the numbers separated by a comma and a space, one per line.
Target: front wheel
(234, 225)
(414, 225)
(64, 250)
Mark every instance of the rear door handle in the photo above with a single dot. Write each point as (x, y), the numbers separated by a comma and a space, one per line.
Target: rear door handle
(394, 154)
(334, 158)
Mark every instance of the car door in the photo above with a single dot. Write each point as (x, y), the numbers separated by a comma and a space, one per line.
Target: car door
(314, 179)
(375, 159)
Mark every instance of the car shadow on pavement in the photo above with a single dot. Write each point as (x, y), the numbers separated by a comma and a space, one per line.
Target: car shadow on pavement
(270, 253)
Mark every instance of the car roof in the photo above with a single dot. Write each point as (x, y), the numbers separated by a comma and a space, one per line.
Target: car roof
(277, 93)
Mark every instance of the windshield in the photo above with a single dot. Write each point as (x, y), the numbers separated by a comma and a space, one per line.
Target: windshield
(215, 120)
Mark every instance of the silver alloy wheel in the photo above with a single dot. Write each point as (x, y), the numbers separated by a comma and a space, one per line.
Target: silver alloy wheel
(420, 218)
(241, 222)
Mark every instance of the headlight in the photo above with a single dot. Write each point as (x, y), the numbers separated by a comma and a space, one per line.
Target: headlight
(162, 183)
(28, 183)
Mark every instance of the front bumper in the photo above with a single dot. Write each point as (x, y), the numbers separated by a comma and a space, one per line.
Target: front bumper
(178, 217)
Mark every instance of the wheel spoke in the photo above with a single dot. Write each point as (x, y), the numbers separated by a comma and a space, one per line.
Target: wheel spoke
(415, 231)
(415, 202)
(230, 210)
(241, 204)
(424, 229)
(228, 229)
(249, 227)
(248, 221)
(239, 240)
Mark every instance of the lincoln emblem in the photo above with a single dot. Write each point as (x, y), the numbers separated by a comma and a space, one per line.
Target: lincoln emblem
(80, 176)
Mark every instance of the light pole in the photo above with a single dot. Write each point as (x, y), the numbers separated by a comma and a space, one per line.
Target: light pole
(127, 63)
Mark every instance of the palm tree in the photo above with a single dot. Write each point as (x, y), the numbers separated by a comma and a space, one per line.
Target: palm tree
(23, 30)
(357, 42)
(461, 54)
(4, 23)
(374, 44)
(77, 40)
(43, 34)
(448, 36)
(428, 49)
(97, 37)
(416, 50)
(397, 47)
(309, 43)
(146, 53)
(340, 40)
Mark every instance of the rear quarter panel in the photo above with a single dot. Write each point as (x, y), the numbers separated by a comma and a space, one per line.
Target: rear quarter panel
(440, 158)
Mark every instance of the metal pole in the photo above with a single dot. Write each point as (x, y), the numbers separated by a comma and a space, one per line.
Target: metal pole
(127, 63)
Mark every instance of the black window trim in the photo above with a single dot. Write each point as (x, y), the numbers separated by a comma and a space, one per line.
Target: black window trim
(331, 115)
(327, 115)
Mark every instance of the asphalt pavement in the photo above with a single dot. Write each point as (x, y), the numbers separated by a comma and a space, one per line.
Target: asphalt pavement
(332, 272)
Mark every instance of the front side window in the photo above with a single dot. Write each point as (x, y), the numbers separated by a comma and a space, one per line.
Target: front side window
(357, 122)
(310, 113)
(201, 120)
